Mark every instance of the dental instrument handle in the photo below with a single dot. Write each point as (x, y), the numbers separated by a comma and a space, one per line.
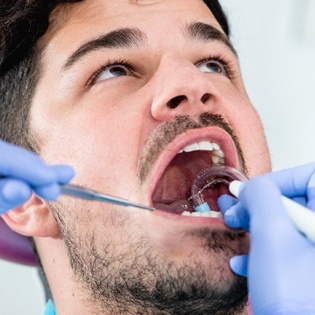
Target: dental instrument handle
(88, 194)
(302, 217)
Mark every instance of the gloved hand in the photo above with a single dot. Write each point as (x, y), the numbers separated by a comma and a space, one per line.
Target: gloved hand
(281, 260)
(22, 171)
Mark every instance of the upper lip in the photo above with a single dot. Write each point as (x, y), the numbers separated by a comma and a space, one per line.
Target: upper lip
(213, 134)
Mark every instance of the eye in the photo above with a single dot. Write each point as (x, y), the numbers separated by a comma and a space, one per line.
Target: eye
(218, 64)
(212, 66)
(110, 71)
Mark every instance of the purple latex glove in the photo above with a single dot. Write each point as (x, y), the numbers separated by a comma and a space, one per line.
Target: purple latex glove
(280, 265)
(22, 171)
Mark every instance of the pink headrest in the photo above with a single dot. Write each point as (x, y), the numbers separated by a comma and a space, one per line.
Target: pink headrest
(15, 247)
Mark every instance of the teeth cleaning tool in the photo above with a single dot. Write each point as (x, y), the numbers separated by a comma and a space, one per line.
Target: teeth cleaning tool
(208, 178)
(88, 194)
(302, 217)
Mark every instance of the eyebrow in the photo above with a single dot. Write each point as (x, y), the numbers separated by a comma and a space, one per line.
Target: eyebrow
(130, 37)
(208, 33)
(121, 38)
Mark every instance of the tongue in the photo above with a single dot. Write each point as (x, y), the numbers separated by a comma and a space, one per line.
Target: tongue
(175, 184)
(177, 207)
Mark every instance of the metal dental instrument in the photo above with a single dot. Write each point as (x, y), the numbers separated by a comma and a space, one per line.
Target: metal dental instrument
(88, 194)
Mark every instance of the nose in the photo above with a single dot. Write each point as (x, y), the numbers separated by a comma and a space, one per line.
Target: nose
(180, 89)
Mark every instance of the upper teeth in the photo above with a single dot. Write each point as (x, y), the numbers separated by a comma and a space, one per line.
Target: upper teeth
(217, 155)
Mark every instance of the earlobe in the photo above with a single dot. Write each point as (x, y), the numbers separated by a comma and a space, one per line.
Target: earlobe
(33, 218)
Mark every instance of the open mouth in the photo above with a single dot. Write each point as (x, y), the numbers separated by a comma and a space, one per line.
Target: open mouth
(173, 190)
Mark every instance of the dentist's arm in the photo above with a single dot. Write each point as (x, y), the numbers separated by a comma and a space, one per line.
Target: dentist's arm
(22, 172)
(280, 267)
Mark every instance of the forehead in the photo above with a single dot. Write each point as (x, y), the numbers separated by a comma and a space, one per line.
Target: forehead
(88, 10)
(82, 20)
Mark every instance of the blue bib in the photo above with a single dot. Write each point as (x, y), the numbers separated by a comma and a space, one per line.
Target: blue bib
(50, 308)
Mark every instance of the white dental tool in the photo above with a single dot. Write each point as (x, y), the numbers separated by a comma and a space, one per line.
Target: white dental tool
(302, 218)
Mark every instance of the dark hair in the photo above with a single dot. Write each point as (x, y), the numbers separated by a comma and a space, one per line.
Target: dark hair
(22, 23)
(218, 13)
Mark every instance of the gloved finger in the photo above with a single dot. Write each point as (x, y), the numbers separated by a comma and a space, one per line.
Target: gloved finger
(49, 192)
(258, 199)
(239, 264)
(234, 215)
(293, 182)
(311, 193)
(64, 173)
(23, 164)
(237, 217)
(13, 193)
(225, 202)
(270, 226)
(259, 191)
(301, 200)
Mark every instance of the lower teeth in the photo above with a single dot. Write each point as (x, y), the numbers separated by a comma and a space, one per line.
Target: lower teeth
(211, 214)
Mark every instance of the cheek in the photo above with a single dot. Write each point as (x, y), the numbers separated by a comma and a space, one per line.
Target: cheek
(103, 150)
(248, 129)
(253, 142)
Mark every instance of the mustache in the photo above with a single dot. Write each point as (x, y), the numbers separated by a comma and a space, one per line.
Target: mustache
(168, 131)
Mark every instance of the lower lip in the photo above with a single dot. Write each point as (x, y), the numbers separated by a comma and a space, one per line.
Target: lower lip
(199, 221)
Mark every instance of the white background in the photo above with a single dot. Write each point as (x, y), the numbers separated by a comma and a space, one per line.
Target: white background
(276, 45)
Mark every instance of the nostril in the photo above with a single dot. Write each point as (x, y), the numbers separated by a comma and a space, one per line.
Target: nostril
(205, 97)
(175, 101)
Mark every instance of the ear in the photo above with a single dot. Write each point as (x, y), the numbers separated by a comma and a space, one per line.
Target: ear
(33, 218)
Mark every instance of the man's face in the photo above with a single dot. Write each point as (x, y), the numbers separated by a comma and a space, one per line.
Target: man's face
(124, 88)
